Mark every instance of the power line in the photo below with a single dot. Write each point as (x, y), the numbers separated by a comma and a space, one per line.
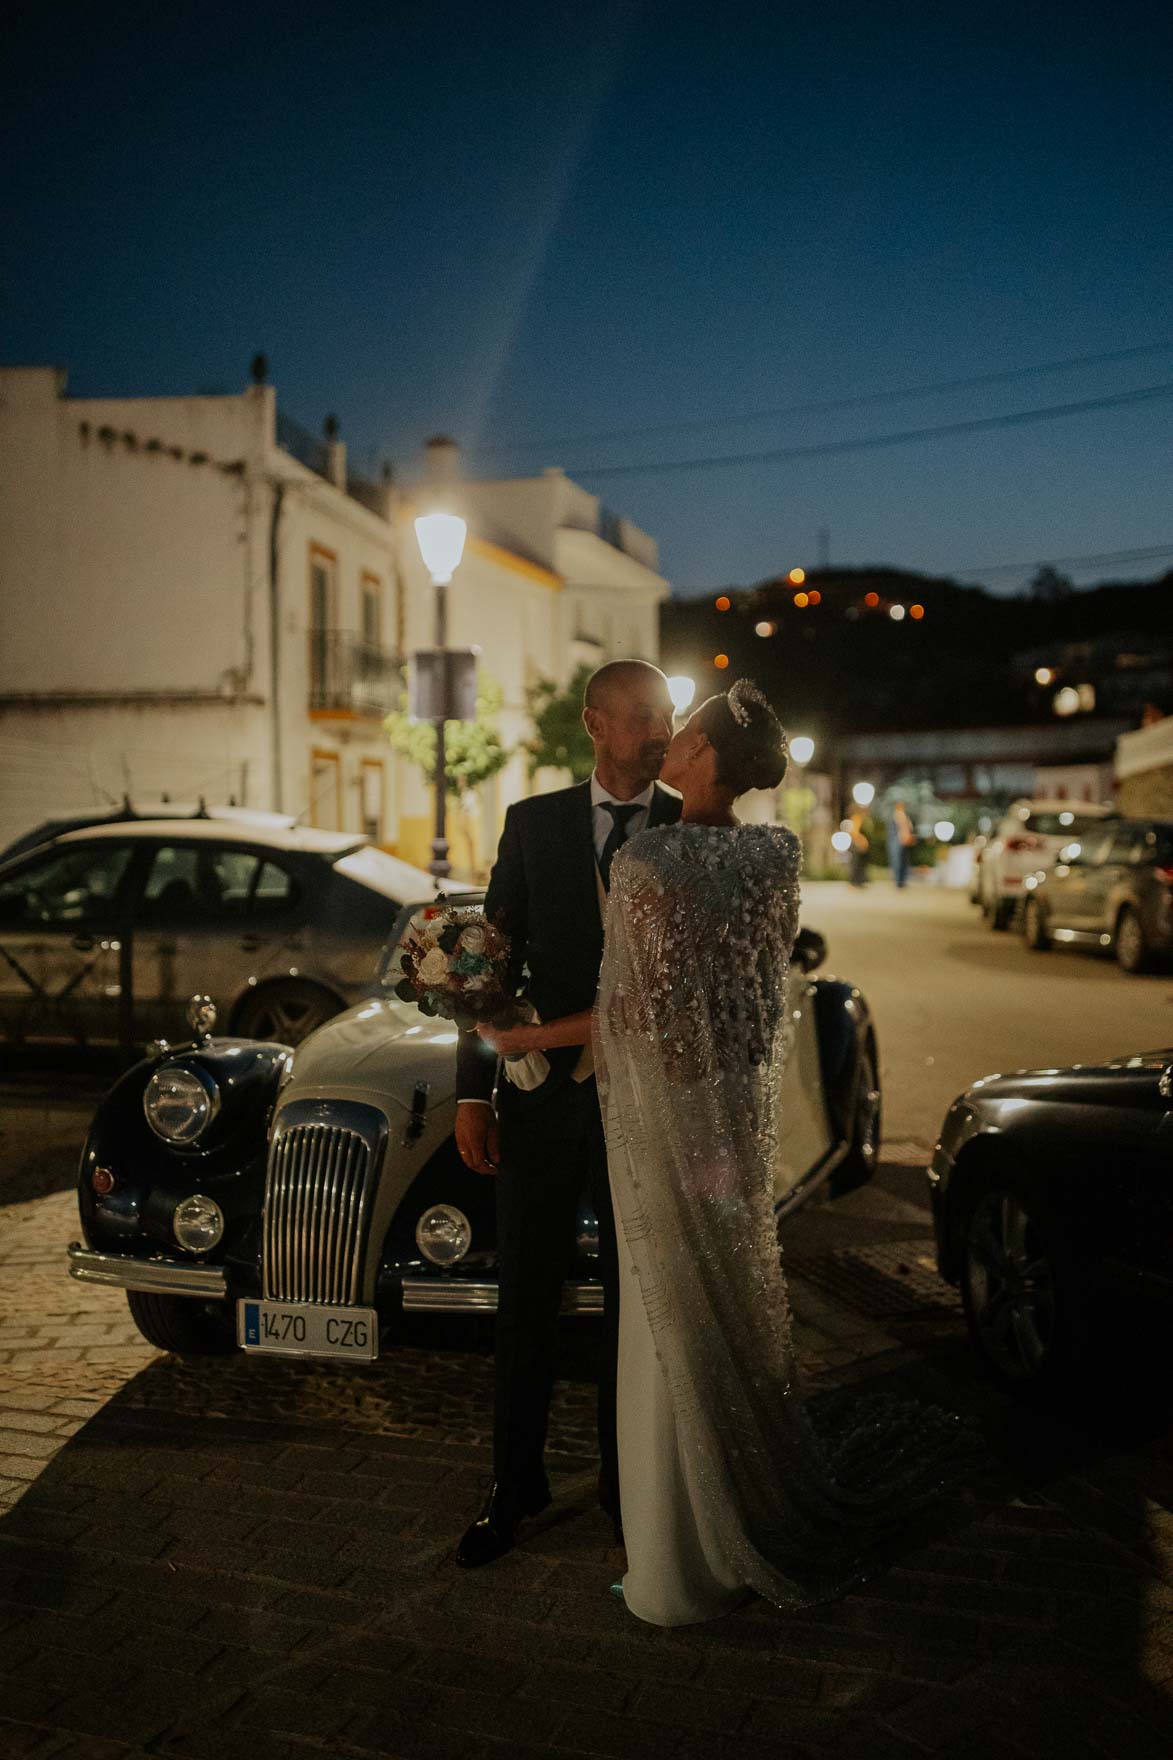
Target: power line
(873, 442)
(1105, 558)
(858, 400)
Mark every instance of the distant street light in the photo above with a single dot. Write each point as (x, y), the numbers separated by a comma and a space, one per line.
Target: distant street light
(944, 830)
(896, 613)
(841, 842)
(802, 750)
(863, 794)
(764, 628)
(682, 690)
(1044, 675)
(441, 540)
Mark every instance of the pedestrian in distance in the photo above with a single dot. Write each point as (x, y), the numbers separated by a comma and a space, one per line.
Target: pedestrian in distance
(901, 837)
(857, 872)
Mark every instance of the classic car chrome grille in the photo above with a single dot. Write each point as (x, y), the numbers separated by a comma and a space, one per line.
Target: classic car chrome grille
(318, 1189)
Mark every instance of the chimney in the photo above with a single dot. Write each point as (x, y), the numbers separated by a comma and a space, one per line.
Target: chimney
(441, 461)
(335, 453)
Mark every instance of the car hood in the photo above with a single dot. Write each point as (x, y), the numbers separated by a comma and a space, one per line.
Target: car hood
(380, 1051)
(1121, 1079)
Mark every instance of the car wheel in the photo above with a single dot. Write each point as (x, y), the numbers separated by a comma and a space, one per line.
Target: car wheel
(181, 1324)
(286, 1012)
(1132, 954)
(863, 1151)
(1023, 1291)
(999, 913)
(1034, 927)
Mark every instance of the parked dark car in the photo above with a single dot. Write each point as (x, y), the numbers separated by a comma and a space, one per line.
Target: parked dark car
(1052, 1195)
(1110, 890)
(106, 932)
(293, 1201)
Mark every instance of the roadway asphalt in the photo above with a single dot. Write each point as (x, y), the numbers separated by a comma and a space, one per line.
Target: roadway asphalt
(953, 1000)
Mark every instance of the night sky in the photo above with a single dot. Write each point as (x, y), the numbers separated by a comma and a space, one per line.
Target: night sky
(546, 224)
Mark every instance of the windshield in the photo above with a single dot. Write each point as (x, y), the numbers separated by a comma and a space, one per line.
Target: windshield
(396, 880)
(1064, 824)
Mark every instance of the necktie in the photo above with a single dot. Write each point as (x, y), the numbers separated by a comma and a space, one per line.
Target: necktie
(622, 812)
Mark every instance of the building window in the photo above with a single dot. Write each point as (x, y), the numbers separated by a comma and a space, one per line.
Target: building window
(323, 618)
(371, 806)
(370, 610)
(325, 790)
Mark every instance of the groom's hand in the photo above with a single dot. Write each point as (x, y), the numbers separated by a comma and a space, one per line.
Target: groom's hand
(478, 1136)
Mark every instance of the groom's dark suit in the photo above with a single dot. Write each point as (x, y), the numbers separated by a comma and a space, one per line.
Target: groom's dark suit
(544, 892)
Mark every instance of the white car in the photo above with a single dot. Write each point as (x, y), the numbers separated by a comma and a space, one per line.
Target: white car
(1028, 838)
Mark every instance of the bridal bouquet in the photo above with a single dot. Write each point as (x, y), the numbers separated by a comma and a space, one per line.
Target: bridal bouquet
(456, 964)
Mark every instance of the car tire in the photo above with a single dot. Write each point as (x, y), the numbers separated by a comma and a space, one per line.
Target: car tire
(863, 1149)
(1132, 953)
(1025, 1292)
(1034, 927)
(286, 1012)
(182, 1324)
(999, 913)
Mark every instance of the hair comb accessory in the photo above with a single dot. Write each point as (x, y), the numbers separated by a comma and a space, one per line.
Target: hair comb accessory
(744, 697)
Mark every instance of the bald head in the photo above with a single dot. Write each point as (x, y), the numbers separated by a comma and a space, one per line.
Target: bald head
(619, 676)
(627, 710)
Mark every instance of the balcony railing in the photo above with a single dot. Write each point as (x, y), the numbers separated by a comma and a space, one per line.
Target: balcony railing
(351, 677)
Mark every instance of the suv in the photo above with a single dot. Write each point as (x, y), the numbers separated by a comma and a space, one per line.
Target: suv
(1029, 838)
(1111, 889)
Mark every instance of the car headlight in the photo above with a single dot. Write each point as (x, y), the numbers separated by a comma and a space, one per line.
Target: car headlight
(180, 1103)
(443, 1234)
(198, 1223)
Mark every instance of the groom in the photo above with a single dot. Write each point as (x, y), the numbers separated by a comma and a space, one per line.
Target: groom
(546, 1146)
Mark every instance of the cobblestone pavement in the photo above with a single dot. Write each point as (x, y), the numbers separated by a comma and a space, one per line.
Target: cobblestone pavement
(244, 1557)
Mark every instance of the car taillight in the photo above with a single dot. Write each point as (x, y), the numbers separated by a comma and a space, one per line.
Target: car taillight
(1018, 845)
(1164, 875)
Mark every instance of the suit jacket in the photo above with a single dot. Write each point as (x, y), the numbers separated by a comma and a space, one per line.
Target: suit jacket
(544, 893)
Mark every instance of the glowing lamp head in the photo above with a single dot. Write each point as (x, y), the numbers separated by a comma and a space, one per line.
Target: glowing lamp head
(863, 794)
(441, 540)
(896, 613)
(944, 830)
(802, 749)
(682, 690)
(796, 576)
(841, 842)
(720, 661)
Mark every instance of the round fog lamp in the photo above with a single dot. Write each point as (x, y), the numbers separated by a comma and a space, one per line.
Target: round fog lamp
(180, 1103)
(443, 1234)
(198, 1223)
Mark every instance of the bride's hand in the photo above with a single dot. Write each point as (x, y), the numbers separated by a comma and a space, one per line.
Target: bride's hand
(510, 1041)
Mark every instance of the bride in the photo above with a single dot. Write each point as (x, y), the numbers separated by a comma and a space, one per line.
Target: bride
(726, 1488)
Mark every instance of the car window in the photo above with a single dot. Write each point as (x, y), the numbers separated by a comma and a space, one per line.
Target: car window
(72, 885)
(198, 882)
(1155, 847)
(275, 890)
(1066, 823)
(1126, 844)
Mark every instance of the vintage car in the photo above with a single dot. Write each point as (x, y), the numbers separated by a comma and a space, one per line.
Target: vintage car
(248, 1195)
(1052, 1197)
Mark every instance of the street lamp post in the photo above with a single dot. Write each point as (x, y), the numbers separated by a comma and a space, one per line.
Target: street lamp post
(441, 540)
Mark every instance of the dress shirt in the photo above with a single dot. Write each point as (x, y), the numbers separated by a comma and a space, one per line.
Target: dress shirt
(604, 823)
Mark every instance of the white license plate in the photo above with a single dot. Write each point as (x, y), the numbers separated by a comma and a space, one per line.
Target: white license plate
(304, 1329)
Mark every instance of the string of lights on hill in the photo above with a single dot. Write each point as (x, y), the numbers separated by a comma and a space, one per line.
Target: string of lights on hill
(807, 597)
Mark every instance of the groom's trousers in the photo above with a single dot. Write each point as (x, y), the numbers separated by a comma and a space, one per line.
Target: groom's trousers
(552, 1153)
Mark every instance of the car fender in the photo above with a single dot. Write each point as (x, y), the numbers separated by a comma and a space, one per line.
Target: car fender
(843, 1023)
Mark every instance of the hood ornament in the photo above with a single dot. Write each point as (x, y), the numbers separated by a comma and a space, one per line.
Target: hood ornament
(201, 1017)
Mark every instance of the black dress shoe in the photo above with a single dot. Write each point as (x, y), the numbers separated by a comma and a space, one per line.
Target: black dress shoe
(493, 1532)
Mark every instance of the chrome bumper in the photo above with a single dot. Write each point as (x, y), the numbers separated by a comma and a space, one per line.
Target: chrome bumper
(459, 1295)
(159, 1276)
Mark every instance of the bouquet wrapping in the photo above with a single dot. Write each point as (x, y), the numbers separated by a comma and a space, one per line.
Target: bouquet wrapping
(456, 964)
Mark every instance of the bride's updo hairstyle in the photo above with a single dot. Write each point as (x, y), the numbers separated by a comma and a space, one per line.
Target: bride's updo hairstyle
(747, 736)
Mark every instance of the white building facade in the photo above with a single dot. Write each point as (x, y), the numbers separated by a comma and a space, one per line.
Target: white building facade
(197, 601)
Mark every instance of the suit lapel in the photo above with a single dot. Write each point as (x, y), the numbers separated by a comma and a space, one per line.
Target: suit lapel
(581, 852)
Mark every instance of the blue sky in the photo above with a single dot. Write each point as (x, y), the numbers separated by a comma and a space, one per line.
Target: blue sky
(533, 224)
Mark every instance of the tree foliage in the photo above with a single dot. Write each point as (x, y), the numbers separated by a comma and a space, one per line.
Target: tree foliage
(473, 750)
(560, 741)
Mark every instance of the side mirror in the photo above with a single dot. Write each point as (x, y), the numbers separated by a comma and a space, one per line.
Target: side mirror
(810, 950)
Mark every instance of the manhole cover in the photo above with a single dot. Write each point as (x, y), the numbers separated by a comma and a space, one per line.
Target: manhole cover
(897, 1278)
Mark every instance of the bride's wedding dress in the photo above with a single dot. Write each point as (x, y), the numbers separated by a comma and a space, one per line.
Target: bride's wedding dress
(726, 1488)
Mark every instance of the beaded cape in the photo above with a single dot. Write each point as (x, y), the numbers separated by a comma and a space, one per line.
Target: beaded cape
(690, 1036)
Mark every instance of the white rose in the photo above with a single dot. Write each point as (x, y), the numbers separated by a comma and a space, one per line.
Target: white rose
(434, 928)
(473, 940)
(433, 968)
